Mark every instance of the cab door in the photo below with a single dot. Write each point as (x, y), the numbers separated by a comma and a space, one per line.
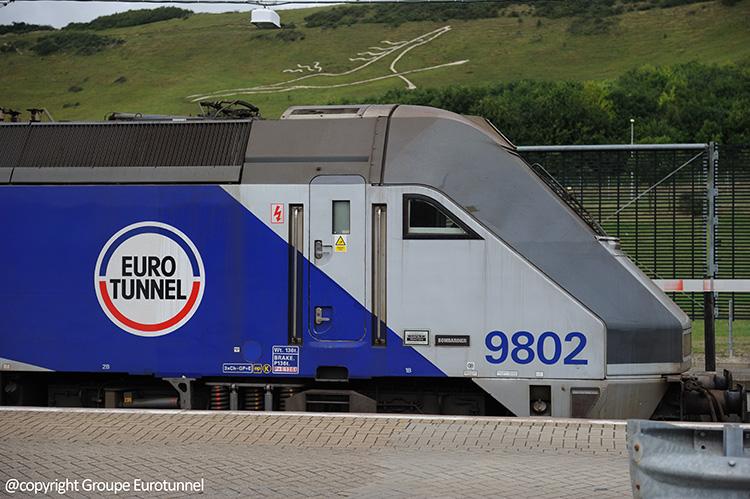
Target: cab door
(337, 256)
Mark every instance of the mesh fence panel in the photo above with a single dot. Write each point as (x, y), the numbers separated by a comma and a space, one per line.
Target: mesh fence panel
(733, 231)
(656, 202)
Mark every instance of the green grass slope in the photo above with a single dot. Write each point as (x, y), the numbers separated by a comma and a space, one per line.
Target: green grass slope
(162, 67)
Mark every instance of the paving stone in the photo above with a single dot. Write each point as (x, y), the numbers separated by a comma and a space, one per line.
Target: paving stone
(312, 455)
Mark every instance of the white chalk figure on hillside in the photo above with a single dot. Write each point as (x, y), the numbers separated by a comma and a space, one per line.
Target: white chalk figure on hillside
(303, 67)
(368, 57)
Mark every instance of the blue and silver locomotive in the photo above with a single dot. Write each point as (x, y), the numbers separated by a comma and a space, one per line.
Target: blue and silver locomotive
(370, 258)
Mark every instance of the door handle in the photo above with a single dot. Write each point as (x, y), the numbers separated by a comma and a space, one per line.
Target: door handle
(319, 318)
(318, 249)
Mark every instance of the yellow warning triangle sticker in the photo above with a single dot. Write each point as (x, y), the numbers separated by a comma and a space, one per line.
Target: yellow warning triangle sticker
(340, 241)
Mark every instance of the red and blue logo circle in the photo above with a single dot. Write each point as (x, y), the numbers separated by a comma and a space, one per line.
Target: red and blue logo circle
(149, 279)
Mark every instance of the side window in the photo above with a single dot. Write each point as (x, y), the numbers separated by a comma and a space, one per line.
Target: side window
(341, 217)
(425, 218)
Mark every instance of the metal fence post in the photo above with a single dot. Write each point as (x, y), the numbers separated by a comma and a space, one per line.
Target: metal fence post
(709, 300)
(709, 333)
(731, 323)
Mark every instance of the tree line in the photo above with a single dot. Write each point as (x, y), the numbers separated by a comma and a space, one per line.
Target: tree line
(397, 14)
(78, 38)
(684, 103)
(119, 20)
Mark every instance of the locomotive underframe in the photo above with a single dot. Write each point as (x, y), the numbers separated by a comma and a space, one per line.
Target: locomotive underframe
(704, 396)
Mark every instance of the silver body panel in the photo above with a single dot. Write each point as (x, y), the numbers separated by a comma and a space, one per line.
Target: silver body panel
(474, 286)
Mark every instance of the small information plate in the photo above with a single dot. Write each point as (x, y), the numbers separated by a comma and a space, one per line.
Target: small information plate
(416, 337)
(235, 367)
(285, 359)
(452, 340)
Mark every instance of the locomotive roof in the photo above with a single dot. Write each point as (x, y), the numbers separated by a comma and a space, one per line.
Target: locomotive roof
(307, 141)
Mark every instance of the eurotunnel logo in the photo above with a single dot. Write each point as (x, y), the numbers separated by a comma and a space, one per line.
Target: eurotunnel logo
(149, 279)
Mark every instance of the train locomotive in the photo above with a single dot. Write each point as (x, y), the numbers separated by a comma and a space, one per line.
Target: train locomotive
(365, 258)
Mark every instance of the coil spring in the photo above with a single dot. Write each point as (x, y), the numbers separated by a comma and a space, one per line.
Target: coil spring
(253, 398)
(219, 400)
(285, 392)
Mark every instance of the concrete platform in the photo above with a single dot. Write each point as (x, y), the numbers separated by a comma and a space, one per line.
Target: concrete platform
(320, 455)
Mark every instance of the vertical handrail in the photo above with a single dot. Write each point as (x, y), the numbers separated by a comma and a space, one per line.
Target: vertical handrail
(379, 241)
(296, 246)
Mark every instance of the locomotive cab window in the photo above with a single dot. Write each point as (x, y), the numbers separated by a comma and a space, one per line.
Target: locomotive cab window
(425, 218)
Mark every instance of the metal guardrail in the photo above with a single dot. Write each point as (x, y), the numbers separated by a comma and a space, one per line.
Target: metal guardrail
(701, 460)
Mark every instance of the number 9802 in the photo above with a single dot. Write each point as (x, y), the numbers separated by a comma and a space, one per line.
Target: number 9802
(523, 347)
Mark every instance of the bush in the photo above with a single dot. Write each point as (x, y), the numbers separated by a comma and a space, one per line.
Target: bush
(338, 16)
(290, 35)
(598, 8)
(685, 103)
(18, 28)
(285, 35)
(75, 42)
(591, 26)
(396, 14)
(13, 47)
(133, 18)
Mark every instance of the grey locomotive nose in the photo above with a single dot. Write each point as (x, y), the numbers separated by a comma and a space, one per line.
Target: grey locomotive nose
(478, 168)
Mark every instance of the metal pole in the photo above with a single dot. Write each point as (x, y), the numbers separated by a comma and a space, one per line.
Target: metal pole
(711, 222)
(731, 323)
(709, 300)
(632, 131)
(709, 333)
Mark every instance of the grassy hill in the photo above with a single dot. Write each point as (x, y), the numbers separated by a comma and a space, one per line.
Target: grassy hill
(162, 67)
